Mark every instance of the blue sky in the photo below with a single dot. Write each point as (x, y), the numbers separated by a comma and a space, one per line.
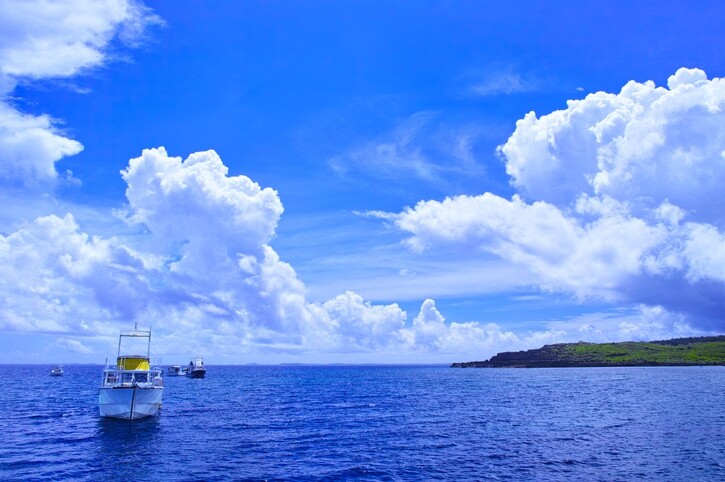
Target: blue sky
(404, 182)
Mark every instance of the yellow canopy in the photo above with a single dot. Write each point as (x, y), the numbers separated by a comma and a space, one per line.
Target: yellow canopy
(133, 363)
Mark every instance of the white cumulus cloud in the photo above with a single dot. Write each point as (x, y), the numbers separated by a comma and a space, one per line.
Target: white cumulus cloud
(619, 199)
(60, 39)
(188, 203)
(30, 146)
(362, 325)
(56, 278)
(41, 39)
(202, 273)
(645, 145)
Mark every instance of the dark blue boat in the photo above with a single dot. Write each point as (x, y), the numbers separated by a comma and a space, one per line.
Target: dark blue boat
(196, 368)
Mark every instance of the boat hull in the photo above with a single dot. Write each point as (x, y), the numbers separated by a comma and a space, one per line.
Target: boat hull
(196, 373)
(129, 403)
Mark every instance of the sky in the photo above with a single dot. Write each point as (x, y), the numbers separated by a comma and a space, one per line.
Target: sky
(358, 182)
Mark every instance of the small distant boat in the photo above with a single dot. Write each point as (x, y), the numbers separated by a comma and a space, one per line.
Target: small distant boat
(174, 371)
(131, 389)
(196, 368)
(57, 371)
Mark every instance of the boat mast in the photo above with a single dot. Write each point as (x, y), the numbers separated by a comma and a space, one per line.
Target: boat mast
(136, 333)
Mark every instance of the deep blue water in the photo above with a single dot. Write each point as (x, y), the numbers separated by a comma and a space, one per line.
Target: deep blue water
(373, 423)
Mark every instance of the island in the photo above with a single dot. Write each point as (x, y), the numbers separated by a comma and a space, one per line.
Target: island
(708, 350)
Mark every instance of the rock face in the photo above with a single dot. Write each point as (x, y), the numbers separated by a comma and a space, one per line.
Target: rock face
(679, 351)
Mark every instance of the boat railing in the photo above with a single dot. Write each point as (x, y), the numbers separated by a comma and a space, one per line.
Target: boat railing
(120, 377)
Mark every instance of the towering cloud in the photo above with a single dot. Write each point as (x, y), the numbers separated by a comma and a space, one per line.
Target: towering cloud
(200, 268)
(645, 145)
(194, 207)
(619, 199)
(208, 235)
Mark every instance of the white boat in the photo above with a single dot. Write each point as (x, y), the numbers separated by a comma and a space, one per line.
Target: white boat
(131, 389)
(174, 371)
(196, 368)
(57, 370)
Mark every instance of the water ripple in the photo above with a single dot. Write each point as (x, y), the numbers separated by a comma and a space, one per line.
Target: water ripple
(374, 423)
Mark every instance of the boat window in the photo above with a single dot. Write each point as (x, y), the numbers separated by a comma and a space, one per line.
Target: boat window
(142, 377)
(127, 378)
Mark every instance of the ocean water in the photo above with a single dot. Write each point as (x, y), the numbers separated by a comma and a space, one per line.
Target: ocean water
(393, 423)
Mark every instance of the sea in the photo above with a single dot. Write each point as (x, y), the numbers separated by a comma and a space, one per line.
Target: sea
(376, 423)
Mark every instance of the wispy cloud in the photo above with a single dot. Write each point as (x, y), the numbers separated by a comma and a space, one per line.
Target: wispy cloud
(73, 346)
(500, 82)
(422, 146)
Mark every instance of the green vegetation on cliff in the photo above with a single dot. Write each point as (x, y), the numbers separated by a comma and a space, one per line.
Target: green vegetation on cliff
(680, 351)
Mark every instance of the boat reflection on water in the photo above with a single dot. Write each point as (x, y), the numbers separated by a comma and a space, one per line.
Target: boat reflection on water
(122, 431)
(119, 442)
